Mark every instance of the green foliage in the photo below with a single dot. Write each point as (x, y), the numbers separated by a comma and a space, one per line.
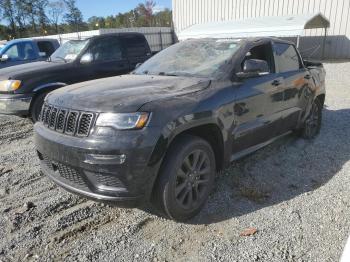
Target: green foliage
(27, 18)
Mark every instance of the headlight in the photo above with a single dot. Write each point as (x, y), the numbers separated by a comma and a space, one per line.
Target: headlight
(9, 85)
(123, 121)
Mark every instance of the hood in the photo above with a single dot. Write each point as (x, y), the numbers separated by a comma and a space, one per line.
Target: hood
(17, 71)
(125, 93)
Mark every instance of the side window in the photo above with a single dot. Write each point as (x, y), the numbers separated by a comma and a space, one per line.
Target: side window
(46, 47)
(286, 57)
(262, 52)
(107, 49)
(135, 46)
(21, 51)
(13, 53)
(28, 52)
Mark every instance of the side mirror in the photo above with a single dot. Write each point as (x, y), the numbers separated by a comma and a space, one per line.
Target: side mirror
(138, 65)
(254, 68)
(42, 54)
(86, 59)
(4, 58)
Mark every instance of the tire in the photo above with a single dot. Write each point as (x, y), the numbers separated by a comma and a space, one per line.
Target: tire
(36, 107)
(184, 183)
(313, 122)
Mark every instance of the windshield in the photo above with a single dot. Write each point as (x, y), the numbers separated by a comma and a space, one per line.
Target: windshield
(69, 51)
(2, 47)
(199, 58)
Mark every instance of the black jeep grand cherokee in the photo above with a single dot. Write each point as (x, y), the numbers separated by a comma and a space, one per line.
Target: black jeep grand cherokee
(162, 132)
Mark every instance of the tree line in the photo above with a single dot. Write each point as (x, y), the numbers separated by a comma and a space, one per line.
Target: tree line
(26, 18)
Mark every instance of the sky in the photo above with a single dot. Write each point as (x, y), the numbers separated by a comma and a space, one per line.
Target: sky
(104, 8)
(111, 7)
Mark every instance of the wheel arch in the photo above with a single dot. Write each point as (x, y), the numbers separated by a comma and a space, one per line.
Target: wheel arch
(46, 88)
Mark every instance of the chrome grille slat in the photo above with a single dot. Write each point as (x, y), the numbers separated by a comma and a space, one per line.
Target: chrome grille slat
(52, 119)
(70, 122)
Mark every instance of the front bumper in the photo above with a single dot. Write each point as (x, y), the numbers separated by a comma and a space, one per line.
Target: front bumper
(67, 161)
(15, 104)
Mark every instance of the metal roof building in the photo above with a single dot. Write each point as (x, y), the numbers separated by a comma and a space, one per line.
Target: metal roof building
(187, 13)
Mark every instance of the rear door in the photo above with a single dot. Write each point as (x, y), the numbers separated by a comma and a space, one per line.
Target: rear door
(136, 48)
(109, 58)
(296, 78)
(258, 102)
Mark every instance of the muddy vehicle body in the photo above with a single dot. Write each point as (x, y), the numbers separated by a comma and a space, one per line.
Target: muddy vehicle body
(161, 133)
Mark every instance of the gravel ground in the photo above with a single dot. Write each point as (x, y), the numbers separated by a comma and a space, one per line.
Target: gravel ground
(295, 193)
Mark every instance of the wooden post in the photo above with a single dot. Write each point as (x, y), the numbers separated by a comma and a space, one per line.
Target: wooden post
(324, 43)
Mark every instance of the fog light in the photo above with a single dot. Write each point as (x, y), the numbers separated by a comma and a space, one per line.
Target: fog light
(105, 159)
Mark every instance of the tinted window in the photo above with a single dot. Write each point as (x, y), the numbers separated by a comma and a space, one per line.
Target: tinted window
(136, 46)
(105, 49)
(46, 47)
(286, 57)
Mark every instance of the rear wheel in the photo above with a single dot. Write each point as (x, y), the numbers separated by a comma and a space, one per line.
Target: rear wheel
(186, 178)
(313, 122)
(36, 107)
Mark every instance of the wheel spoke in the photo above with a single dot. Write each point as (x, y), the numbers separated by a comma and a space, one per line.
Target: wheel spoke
(181, 173)
(196, 157)
(201, 163)
(183, 196)
(204, 171)
(180, 188)
(202, 181)
(187, 164)
(190, 198)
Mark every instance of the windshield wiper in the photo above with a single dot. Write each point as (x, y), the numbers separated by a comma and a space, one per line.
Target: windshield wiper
(167, 74)
(62, 58)
(176, 74)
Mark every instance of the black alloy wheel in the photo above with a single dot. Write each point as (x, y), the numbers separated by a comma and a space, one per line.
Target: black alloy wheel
(185, 179)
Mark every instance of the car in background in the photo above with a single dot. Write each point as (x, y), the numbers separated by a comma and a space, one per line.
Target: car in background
(24, 87)
(22, 51)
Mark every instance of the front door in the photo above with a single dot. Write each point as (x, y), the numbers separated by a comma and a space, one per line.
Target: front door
(108, 58)
(258, 101)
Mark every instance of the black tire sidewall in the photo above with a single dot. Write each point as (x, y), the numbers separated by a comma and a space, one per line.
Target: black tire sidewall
(319, 106)
(36, 106)
(166, 186)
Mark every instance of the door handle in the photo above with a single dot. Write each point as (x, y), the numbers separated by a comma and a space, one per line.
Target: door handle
(275, 83)
(307, 77)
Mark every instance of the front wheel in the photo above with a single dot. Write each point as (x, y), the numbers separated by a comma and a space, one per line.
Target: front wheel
(185, 179)
(313, 122)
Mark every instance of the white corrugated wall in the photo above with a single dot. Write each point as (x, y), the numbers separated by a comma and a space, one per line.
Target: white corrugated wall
(189, 12)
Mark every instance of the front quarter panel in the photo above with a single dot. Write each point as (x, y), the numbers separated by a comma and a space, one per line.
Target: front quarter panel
(174, 116)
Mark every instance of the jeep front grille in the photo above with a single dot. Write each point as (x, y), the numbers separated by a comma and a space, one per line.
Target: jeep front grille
(70, 122)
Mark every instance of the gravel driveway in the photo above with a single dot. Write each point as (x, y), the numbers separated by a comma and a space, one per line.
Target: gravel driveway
(295, 193)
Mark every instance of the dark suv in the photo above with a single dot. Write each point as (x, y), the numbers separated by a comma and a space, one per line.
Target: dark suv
(162, 132)
(24, 87)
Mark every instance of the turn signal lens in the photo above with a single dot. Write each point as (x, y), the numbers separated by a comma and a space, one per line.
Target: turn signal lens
(9, 85)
